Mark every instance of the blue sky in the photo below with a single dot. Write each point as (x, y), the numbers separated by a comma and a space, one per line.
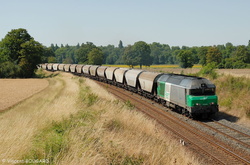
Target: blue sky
(103, 22)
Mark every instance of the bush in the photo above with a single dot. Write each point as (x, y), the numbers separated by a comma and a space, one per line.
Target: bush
(248, 66)
(233, 63)
(9, 70)
(239, 65)
(209, 70)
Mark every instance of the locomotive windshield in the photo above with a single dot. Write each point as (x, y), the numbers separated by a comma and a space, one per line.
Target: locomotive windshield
(205, 91)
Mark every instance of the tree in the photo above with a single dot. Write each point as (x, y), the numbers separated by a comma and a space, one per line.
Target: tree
(77, 46)
(95, 57)
(202, 53)
(67, 60)
(83, 51)
(30, 56)
(185, 59)
(51, 59)
(233, 63)
(22, 52)
(138, 54)
(60, 54)
(11, 45)
(9, 70)
(48, 55)
(142, 53)
(120, 45)
(156, 53)
(229, 50)
(129, 56)
(248, 49)
(175, 51)
(213, 55)
(241, 53)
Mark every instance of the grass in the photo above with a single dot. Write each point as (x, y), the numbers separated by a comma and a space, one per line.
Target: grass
(234, 95)
(40, 73)
(75, 121)
(129, 105)
(104, 130)
(19, 124)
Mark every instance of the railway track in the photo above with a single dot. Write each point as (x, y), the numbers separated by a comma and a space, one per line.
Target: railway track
(232, 134)
(216, 151)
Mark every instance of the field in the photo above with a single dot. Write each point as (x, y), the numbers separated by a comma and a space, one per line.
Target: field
(15, 90)
(236, 72)
(75, 121)
(20, 123)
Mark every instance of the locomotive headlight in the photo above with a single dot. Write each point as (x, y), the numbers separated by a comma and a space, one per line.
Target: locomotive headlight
(212, 103)
(197, 104)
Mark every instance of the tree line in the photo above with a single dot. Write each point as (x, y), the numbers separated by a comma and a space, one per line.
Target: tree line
(20, 54)
(141, 53)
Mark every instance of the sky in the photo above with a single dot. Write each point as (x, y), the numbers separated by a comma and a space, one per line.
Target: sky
(104, 22)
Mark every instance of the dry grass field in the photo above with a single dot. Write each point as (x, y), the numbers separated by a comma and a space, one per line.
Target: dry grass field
(15, 90)
(75, 121)
(20, 123)
(107, 131)
(235, 72)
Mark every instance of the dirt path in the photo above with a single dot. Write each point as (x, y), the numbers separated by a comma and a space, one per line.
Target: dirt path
(20, 123)
(12, 91)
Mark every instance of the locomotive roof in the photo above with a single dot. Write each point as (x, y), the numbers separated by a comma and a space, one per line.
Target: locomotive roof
(189, 82)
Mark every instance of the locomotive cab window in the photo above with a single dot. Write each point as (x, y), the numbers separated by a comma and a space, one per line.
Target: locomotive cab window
(199, 92)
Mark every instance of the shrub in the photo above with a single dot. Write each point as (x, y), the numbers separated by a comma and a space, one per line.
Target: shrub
(233, 63)
(209, 70)
(9, 70)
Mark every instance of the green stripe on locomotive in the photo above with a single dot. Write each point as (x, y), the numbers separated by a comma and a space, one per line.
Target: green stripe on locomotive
(201, 100)
(161, 89)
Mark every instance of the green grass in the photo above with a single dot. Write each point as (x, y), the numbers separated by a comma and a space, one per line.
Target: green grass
(129, 105)
(51, 142)
(41, 74)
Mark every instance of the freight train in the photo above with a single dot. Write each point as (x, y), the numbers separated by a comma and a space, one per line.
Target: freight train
(192, 96)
